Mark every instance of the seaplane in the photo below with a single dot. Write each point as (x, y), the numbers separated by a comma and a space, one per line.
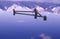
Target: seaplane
(36, 14)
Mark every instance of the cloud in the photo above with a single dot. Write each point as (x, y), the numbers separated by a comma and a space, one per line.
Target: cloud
(39, 9)
(17, 7)
(1, 10)
(43, 36)
(54, 1)
(20, 8)
(56, 10)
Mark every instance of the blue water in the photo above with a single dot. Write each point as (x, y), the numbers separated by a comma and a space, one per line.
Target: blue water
(25, 27)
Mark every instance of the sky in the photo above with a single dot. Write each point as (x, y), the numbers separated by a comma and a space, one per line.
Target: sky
(21, 26)
(54, 1)
(15, 26)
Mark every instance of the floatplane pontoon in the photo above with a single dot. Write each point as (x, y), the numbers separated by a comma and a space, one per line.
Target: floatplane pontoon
(36, 14)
